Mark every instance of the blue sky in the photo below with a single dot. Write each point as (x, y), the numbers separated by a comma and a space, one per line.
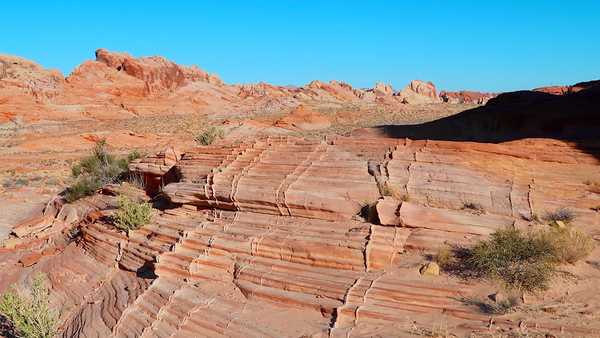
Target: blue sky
(480, 45)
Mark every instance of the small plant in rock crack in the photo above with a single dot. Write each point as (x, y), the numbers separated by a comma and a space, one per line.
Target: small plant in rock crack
(30, 312)
(394, 192)
(131, 215)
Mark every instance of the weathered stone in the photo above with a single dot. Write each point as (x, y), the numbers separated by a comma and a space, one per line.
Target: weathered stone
(30, 259)
(388, 211)
(430, 269)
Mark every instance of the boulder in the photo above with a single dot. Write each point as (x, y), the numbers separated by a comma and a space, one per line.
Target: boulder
(388, 211)
(430, 269)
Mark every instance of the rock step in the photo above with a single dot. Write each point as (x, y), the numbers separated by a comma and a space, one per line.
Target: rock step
(325, 306)
(144, 311)
(277, 178)
(149, 241)
(102, 241)
(196, 313)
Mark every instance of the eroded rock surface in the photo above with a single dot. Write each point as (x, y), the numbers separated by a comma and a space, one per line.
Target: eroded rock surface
(265, 239)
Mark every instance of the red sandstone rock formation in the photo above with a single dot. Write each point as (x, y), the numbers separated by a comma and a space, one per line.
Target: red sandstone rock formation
(418, 92)
(562, 90)
(468, 97)
(555, 90)
(158, 73)
(275, 236)
(263, 239)
(117, 85)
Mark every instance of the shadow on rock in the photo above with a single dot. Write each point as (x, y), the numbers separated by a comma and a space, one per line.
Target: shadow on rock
(574, 116)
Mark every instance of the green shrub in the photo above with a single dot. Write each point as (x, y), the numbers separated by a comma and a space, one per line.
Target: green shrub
(522, 261)
(131, 215)
(133, 155)
(30, 313)
(83, 186)
(209, 136)
(96, 170)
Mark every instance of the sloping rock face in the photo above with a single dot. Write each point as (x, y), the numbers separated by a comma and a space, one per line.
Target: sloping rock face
(303, 118)
(267, 238)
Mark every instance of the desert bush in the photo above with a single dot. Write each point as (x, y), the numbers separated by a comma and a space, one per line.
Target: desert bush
(137, 180)
(570, 245)
(83, 186)
(500, 307)
(96, 170)
(473, 206)
(445, 258)
(30, 312)
(561, 214)
(522, 261)
(131, 215)
(209, 136)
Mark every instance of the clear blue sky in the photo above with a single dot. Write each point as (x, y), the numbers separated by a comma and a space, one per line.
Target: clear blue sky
(481, 45)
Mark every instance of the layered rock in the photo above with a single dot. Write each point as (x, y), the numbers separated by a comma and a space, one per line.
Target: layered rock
(272, 176)
(154, 171)
(239, 246)
(158, 73)
(282, 236)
